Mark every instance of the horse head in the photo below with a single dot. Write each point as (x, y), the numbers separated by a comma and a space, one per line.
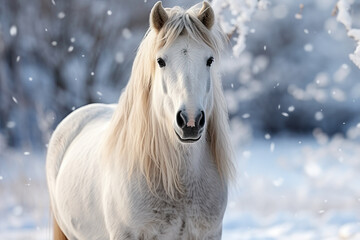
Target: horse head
(182, 90)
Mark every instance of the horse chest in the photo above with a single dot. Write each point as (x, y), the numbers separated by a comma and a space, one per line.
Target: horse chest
(199, 213)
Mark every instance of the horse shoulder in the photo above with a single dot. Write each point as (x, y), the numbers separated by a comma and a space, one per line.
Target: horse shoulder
(65, 133)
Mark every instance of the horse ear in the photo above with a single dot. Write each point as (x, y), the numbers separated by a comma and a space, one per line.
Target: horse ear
(158, 16)
(206, 15)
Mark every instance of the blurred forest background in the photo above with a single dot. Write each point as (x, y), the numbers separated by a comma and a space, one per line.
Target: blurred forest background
(286, 72)
(56, 56)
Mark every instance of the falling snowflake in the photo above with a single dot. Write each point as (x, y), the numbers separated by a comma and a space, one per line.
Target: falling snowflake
(267, 136)
(10, 124)
(13, 31)
(119, 57)
(321, 211)
(61, 15)
(15, 100)
(272, 147)
(245, 115)
(126, 33)
(308, 47)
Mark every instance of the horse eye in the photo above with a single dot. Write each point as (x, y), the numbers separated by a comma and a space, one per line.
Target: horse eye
(209, 61)
(161, 62)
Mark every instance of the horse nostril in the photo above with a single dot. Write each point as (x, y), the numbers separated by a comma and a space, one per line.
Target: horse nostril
(181, 119)
(202, 119)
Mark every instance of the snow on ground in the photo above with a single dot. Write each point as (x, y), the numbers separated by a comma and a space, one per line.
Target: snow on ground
(24, 205)
(296, 188)
(287, 187)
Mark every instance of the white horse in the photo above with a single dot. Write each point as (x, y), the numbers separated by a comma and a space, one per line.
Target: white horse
(157, 164)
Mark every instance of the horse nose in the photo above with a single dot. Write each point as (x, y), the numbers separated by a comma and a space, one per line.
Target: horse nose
(191, 128)
(183, 121)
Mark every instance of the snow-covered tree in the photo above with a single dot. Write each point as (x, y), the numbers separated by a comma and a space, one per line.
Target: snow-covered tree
(343, 11)
(289, 69)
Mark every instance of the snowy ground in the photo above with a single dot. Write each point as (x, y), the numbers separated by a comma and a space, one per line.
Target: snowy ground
(287, 188)
(296, 188)
(24, 206)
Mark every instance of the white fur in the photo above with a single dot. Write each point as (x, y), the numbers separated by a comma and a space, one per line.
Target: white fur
(120, 172)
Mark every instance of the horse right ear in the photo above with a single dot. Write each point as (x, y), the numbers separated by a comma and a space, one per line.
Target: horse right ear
(206, 15)
(158, 16)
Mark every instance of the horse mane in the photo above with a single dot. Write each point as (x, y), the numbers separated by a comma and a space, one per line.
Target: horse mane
(137, 140)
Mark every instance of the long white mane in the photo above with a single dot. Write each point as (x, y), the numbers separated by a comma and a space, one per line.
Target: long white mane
(137, 140)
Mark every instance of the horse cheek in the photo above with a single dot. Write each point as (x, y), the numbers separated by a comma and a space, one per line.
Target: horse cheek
(169, 107)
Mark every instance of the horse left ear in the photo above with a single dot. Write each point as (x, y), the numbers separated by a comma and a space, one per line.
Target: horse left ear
(158, 16)
(206, 15)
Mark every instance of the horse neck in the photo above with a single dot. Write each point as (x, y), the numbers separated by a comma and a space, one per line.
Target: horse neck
(197, 156)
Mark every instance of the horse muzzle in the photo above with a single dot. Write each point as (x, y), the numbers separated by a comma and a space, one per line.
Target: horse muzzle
(189, 130)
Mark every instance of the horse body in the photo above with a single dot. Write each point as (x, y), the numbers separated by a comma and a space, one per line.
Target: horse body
(156, 165)
(94, 201)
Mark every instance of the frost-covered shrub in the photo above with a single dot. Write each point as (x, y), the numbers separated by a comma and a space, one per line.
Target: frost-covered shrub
(343, 10)
(295, 74)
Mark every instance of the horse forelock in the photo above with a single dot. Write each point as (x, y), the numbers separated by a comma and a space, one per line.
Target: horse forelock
(183, 22)
(140, 142)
